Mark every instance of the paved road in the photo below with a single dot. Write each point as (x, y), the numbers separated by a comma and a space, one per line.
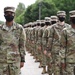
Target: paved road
(30, 67)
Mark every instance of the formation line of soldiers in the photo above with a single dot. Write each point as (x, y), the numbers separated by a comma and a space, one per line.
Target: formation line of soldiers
(52, 43)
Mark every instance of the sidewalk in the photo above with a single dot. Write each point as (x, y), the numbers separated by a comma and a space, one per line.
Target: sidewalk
(30, 67)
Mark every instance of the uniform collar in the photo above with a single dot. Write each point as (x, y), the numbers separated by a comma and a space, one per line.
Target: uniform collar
(5, 27)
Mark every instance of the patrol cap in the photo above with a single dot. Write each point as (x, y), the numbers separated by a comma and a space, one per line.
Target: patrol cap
(61, 13)
(47, 19)
(54, 18)
(72, 13)
(38, 22)
(42, 21)
(11, 9)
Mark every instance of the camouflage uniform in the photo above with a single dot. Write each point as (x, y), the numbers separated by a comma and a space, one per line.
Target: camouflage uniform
(39, 41)
(54, 20)
(67, 52)
(36, 40)
(29, 37)
(12, 47)
(44, 44)
(26, 31)
(54, 44)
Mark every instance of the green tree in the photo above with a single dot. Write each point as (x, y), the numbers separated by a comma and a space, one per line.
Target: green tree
(19, 14)
(32, 12)
(66, 5)
(20, 8)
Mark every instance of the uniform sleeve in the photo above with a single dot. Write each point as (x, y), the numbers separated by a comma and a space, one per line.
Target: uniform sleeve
(44, 39)
(50, 38)
(22, 41)
(63, 46)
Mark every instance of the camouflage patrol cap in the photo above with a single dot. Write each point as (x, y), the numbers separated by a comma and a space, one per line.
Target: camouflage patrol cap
(59, 13)
(30, 23)
(11, 9)
(47, 19)
(72, 13)
(38, 21)
(54, 18)
(42, 21)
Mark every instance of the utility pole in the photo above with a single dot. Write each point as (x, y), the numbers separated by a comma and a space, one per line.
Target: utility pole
(40, 4)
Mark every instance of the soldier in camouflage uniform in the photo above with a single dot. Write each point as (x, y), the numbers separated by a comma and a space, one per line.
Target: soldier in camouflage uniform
(44, 42)
(53, 42)
(54, 20)
(67, 52)
(29, 37)
(26, 31)
(39, 41)
(36, 40)
(12, 44)
(33, 40)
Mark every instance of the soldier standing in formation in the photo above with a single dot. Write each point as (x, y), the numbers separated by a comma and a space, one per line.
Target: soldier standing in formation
(67, 52)
(12, 44)
(56, 42)
(54, 33)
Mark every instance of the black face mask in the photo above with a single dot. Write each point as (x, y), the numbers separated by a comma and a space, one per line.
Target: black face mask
(72, 19)
(53, 22)
(47, 23)
(38, 24)
(61, 19)
(9, 18)
(42, 24)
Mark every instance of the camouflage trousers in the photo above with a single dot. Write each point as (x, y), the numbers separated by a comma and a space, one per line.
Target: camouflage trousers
(56, 64)
(44, 60)
(9, 69)
(70, 69)
(49, 64)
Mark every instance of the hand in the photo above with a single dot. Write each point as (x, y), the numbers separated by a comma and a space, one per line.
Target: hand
(21, 64)
(49, 54)
(63, 65)
(45, 52)
(32, 42)
(39, 48)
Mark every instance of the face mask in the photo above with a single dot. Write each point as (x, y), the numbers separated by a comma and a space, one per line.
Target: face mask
(9, 18)
(47, 23)
(38, 24)
(53, 22)
(42, 24)
(61, 19)
(72, 19)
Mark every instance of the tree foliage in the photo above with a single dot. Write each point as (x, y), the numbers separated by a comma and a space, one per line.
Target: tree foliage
(66, 5)
(19, 15)
(48, 8)
(32, 12)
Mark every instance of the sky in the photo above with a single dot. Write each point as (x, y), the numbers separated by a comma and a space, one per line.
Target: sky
(14, 3)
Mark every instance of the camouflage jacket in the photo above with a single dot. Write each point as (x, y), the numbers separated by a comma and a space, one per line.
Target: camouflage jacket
(54, 34)
(67, 40)
(12, 43)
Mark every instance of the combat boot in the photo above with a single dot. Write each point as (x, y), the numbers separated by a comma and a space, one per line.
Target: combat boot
(40, 66)
(44, 70)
